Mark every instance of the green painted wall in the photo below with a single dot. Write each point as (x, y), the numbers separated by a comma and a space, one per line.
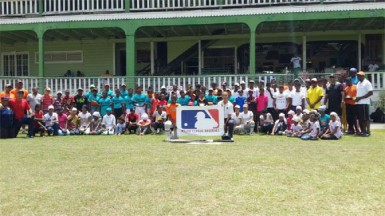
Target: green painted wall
(29, 47)
(175, 48)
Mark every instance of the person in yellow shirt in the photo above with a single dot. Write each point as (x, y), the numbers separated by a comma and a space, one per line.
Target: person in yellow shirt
(314, 95)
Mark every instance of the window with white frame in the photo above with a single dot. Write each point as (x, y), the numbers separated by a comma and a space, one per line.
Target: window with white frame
(15, 64)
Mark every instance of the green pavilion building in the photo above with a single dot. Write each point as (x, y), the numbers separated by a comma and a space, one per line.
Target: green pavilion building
(156, 42)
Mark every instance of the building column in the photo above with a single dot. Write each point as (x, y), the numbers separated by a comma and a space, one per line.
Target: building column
(304, 57)
(127, 5)
(383, 49)
(40, 8)
(152, 47)
(252, 53)
(359, 51)
(130, 60)
(200, 57)
(41, 72)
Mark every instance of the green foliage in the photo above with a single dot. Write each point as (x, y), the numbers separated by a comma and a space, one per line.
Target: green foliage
(380, 103)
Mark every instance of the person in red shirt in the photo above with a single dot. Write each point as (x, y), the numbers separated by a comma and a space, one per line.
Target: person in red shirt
(67, 102)
(132, 120)
(20, 106)
(38, 121)
(47, 100)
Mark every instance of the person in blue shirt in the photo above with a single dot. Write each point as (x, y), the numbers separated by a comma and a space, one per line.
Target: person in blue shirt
(6, 120)
(128, 103)
(183, 99)
(231, 97)
(88, 94)
(123, 91)
(323, 119)
(107, 89)
(104, 102)
(94, 101)
(240, 100)
(211, 99)
(139, 100)
(117, 104)
(353, 75)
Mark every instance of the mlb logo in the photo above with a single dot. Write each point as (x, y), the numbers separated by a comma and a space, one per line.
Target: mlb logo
(200, 119)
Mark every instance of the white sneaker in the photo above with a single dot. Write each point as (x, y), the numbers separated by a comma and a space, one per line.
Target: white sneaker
(23, 131)
(158, 130)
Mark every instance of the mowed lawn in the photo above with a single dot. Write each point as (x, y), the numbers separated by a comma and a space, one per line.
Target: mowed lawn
(131, 175)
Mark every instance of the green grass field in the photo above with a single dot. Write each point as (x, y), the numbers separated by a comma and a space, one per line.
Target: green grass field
(131, 175)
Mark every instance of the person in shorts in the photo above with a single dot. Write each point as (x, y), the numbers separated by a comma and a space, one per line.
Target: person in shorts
(364, 92)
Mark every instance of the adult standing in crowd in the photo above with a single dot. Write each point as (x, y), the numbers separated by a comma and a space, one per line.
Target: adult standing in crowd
(353, 75)
(6, 120)
(350, 104)
(364, 92)
(7, 92)
(297, 97)
(314, 95)
(19, 86)
(80, 99)
(335, 95)
(228, 109)
(47, 100)
(20, 106)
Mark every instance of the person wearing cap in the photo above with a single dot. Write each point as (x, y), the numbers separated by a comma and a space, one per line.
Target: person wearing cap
(107, 89)
(298, 112)
(19, 86)
(289, 119)
(132, 120)
(351, 112)
(297, 97)
(243, 85)
(353, 75)
(160, 118)
(224, 85)
(281, 102)
(120, 126)
(51, 121)
(80, 99)
(261, 84)
(314, 95)
(84, 119)
(62, 118)
(68, 102)
(34, 98)
(38, 122)
(47, 100)
(95, 125)
(58, 100)
(23, 113)
(295, 128)
(104, 103)
(364, 92)
(236, 117)
(252, 88)
(228, 110)
(73, 122)
(117, 104)
(6, 119)
(240, 100)
(334, 131)
(280, 125)
(211, 98)
(139, 100)
(312, 131)
(323, 119)
(335, 96)
(7, 92)
(144, 125)
(265, 122)
(183, 100)
(163, 90)
(234, 92)
(108, 122)
(123, 90)
(93, 100)
(247, 120)
(89, 93)
(214, 87)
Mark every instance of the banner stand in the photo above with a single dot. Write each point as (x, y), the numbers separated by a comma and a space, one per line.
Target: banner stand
(197, 142)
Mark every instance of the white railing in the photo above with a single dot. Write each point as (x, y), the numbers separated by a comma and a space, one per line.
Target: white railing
(76, 6)
(18, 7)
(171, 4)
(72, 83)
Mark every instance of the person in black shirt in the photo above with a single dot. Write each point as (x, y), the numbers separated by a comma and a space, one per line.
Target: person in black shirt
(80, 99)
(335, 95)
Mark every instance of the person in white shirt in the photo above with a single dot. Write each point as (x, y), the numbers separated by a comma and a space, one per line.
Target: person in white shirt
(296, 61)
(252, 88)
(281, 101)
(160, 117)
(234, 92)
(295, 129)
(297, 97)
(364, 92)
(247, 120)
(280, 125)
(265, 122)
(236, 116)
(108, 122)
(334, 131)
(51, 121)
(84, 119)
(228, 109)
(373, 66)
(34, 98)
(314, 128)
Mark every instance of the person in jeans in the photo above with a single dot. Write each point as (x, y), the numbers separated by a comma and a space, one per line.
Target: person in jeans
(20, 107)
(51, 121)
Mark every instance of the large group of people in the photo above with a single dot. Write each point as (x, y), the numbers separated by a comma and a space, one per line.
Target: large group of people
(323, 108)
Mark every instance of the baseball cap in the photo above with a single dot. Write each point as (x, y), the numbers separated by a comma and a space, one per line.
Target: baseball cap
(51, 107)
(314, 80)
(59, 108)
(144, 116)
(306, 111)
(80, 89)
(123, 84)
(237, 107)
(307, 80)
(96, 114)
(353, 70)
(291, 112)
(296, 119)
(211, 89)
(8, 85)
(59, 92)
(242, 82)
(109, 109)
(48, 89)
(322, 108)
(92, 86)
(107, 85)
(67, 91)
(331, 76)
(334, 114)
(262, 81)
(19, 81)
(236, 84)
(361, 73)
(74, 109)
(163, 87)
(132, 110)
(5, 98)
(224, 83)
(298, 108)
(84, 106)
(251, 81)
(245, 106)
(282, 115)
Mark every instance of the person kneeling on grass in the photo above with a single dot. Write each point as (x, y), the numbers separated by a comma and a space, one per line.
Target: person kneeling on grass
(95, 125)
(132, 120)
(144, 125)
(314, 130)
(160, 117)
(38, 126)
(280, 125)
(295, 129)
(120, 126)
(73, 122)
(265, 122)
(51, 121)
(247, 120)
(108, 123)
(334, 131)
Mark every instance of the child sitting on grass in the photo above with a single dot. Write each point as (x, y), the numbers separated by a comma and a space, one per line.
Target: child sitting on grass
(144, 125)
(334, 131)
(73, 122)
(295, 129)
(108, 122)
(280, 125)
(120, 126)
(95, 125)
(312, 132)
(38, 121)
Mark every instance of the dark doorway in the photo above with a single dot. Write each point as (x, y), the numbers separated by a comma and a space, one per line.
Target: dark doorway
(120, 59)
